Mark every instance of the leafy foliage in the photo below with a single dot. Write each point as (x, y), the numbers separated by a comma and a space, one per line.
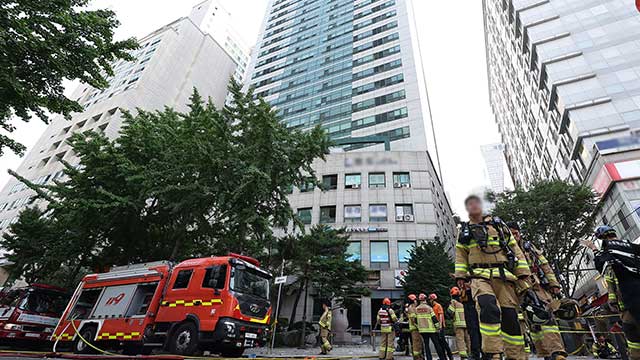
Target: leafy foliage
(429, 270)
(173, 186)
(554, 216)
(43, 43)
(319, 259)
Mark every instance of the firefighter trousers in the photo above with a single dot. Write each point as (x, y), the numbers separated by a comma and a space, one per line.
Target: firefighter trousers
(434, 338)
(497, 302)
(386, 345)
(325, 346)
(631, 330)
(463, 342)
(416, 345)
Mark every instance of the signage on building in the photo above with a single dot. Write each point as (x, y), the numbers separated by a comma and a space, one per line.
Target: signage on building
(399, 277)
(366, 230)
(618, 144)
(614, 172)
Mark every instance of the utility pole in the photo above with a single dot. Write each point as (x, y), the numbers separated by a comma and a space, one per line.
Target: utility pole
(275, 328)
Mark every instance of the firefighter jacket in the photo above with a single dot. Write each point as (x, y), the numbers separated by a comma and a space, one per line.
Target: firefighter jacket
(603, 351)
(456, 309)
(613, 288)
(413, 319)
(325, 319)
(426, 319)
(491, 261)
(386, 318)
(540, 267)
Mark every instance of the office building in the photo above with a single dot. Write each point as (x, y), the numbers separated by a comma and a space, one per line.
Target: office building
(170, 62)
(497, 171)
(353, 68)
(564, 80)
(215, 20)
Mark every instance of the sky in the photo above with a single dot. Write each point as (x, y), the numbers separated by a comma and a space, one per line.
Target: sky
(452, 40)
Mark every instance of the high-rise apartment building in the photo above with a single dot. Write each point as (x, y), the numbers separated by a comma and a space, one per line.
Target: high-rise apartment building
(170, 62)
(353, 68)
(215, 20)
(496, 168)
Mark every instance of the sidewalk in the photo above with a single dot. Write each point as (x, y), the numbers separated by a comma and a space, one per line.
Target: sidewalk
(338, 350)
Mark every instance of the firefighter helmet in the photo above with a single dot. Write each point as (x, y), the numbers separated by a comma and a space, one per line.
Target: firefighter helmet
(604, 231)
(565, 309)
(433, 297)
(412, 297)
(422, 297)
(536, 313)
(386, 301)
(455, 291)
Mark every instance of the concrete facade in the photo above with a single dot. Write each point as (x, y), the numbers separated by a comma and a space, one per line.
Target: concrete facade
(212, 18)
(171, 61)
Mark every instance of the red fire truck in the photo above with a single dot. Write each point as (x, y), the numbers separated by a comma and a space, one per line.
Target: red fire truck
(30, 313)
(220, 304)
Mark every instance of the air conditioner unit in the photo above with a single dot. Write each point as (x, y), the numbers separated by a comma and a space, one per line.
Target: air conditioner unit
(355, 186)
(408, 218)
(397, 185)
(399, 218)
(406, 185)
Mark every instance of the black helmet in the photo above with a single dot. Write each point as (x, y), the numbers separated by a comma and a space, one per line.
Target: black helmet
(604, 231)
(536, 313)
(565, 309)
(513, 225)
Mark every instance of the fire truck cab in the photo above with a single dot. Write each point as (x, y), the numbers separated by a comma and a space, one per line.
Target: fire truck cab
(30, 313)
(220, 304)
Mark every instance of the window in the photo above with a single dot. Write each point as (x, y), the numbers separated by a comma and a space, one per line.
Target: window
(623, 220)
(379, 254)
(305, 215)
(355, 251)
(353, 213)
(215, 277)
(182, 279)
(401, 179)
(352, 181)
(330, 182)
(404, 251)
(404, 213)
(378, 213)
(308, 186)
(327, 214)
(376, 180)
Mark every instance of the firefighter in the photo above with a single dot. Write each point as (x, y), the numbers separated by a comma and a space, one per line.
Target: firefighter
(605, 264)
(602, 349)
(546, 337)
(490, 258)
(427, 326)
(325, 328)
(402, 331)
(416, 339)
(456, 310)
(439, 311)
(386, 318)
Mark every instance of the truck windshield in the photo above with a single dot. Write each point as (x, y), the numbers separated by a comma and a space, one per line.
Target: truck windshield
(44, 302)
(250, 282)
(10, 298)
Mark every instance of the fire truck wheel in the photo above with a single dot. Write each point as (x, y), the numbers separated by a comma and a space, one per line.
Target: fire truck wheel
(80, 347)
(184, 340)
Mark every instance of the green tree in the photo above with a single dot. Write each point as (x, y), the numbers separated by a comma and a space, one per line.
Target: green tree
(177, 185)
(43, 43)
(429, 270)
(555, 216)
(320, 260)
